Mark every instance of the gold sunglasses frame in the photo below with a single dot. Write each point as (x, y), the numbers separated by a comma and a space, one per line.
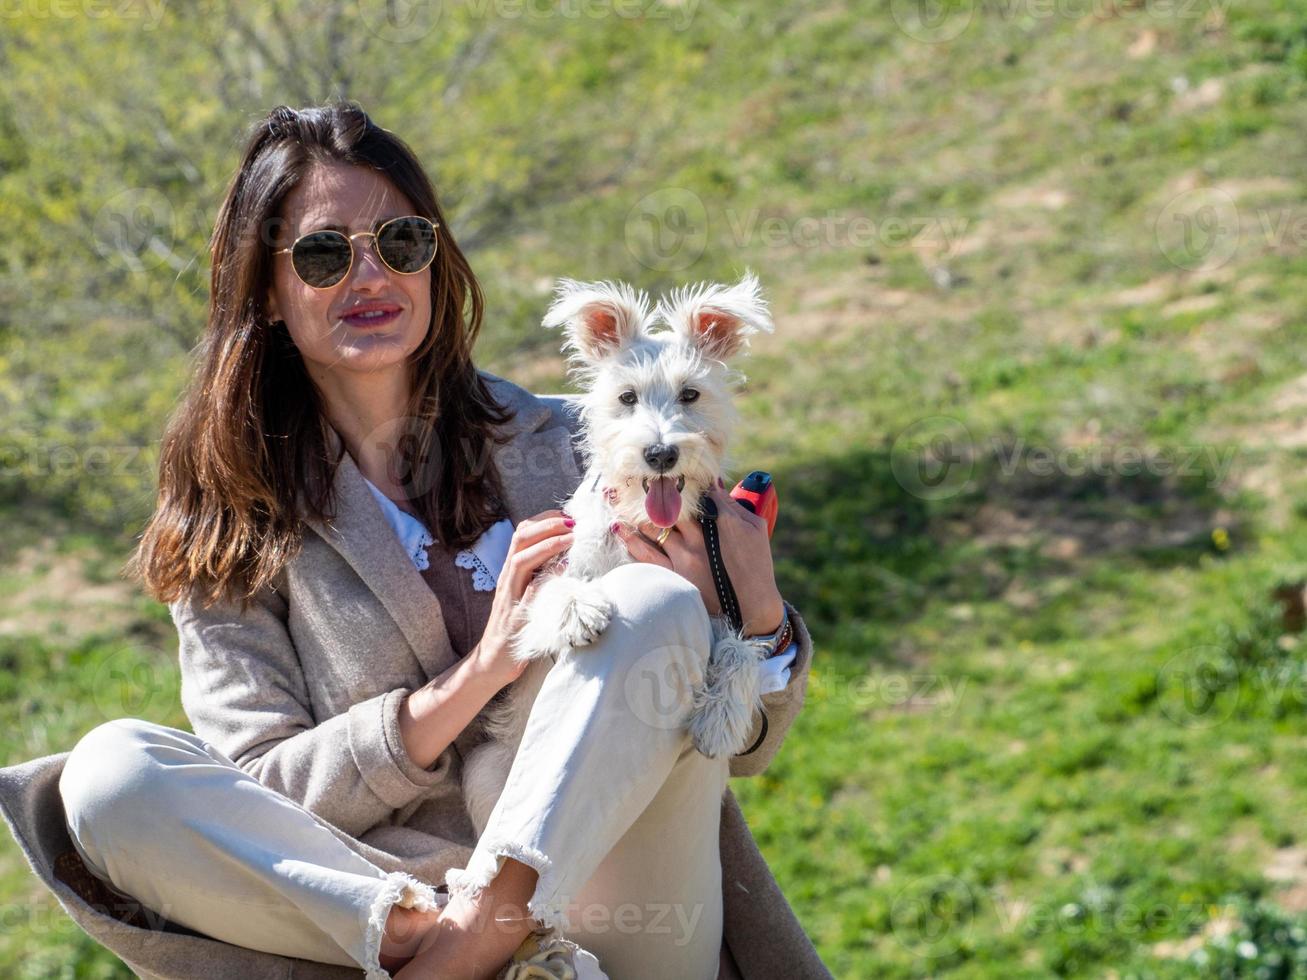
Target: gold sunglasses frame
(352, 249)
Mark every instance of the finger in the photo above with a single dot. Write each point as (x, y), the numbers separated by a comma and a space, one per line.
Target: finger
(639, 548)
(538, 528)
(652, 536)
(726, 504)
(541, 519)
(522, 565)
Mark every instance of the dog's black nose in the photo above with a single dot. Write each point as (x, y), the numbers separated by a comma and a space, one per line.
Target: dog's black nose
(661, 456)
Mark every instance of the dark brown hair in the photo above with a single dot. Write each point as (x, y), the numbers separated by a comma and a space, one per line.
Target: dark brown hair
(245, 456)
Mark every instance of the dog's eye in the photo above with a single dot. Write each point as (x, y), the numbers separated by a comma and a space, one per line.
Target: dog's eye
(689, 394)
(627, 398)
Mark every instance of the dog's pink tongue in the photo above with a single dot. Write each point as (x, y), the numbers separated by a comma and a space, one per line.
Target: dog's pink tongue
(663, 502)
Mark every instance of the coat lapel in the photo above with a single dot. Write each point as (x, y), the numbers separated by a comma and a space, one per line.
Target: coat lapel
(537, 467)
(361, 535)
(538, 472)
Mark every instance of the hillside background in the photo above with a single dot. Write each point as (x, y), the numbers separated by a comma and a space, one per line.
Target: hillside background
(1036, 404)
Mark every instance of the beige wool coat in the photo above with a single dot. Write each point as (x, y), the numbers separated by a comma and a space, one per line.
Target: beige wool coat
(303, 690)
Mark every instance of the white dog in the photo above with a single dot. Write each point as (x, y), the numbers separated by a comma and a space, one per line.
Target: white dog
(656, 419)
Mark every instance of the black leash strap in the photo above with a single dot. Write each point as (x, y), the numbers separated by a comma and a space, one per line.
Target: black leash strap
(725, 591)
(726, 596)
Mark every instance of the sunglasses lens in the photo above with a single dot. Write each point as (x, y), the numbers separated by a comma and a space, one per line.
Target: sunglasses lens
(322, 258)
(407, 245)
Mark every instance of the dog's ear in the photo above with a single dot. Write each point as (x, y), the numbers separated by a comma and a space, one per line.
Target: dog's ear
(598, 318)
(715, 318)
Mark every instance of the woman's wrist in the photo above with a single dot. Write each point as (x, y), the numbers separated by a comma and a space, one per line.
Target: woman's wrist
(765, 620)
(431, 717)
(488, 666)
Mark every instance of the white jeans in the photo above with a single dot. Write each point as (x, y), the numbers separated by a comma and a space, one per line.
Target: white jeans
(607, 799)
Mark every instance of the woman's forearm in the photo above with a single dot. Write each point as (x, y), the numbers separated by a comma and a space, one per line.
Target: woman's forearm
(436, 713)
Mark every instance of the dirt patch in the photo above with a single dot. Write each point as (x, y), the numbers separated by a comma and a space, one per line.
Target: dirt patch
(1181, 949)
(56, 596)
(1042, 196)
(1153, 291)
(1288, 869)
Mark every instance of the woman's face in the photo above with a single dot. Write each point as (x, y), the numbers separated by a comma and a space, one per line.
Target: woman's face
(324, 323)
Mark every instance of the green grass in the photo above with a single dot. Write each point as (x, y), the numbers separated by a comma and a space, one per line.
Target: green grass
(1055, 724)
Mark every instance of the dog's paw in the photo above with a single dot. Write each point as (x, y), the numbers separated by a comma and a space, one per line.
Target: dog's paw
(565, 614)
(722, 716)
(719, 728)
(586, 617)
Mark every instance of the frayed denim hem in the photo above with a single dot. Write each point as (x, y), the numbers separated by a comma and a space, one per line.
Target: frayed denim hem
(399, 889)
(486, 863)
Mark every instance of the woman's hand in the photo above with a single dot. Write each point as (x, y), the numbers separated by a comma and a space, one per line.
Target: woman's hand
(535, 541)
(746, 550)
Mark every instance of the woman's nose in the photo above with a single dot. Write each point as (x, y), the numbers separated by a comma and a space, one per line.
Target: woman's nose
(368, 266)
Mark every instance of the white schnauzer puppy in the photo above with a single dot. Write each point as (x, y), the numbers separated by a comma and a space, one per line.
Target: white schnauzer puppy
(656, 421)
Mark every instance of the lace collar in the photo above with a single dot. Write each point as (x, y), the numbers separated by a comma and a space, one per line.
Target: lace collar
(485, 559)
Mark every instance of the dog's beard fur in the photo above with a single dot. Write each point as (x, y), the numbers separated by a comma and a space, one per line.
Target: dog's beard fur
(658, 370)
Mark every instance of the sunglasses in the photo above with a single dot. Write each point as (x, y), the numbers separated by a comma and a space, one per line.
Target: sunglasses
(321, 259)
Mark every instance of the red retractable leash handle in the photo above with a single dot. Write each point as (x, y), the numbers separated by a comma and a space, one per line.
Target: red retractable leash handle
(757, 492)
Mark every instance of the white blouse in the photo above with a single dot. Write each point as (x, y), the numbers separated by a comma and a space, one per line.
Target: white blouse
(485, 559)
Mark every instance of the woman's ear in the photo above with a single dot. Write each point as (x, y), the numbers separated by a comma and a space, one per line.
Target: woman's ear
(270, 304)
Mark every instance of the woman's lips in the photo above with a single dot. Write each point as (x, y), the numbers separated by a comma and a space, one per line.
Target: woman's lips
(370, 320)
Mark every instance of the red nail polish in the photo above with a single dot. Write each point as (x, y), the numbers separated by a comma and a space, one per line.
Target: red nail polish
(615, 527)
(569, 523)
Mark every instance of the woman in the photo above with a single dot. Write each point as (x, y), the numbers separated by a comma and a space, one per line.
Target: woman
(349, 516)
